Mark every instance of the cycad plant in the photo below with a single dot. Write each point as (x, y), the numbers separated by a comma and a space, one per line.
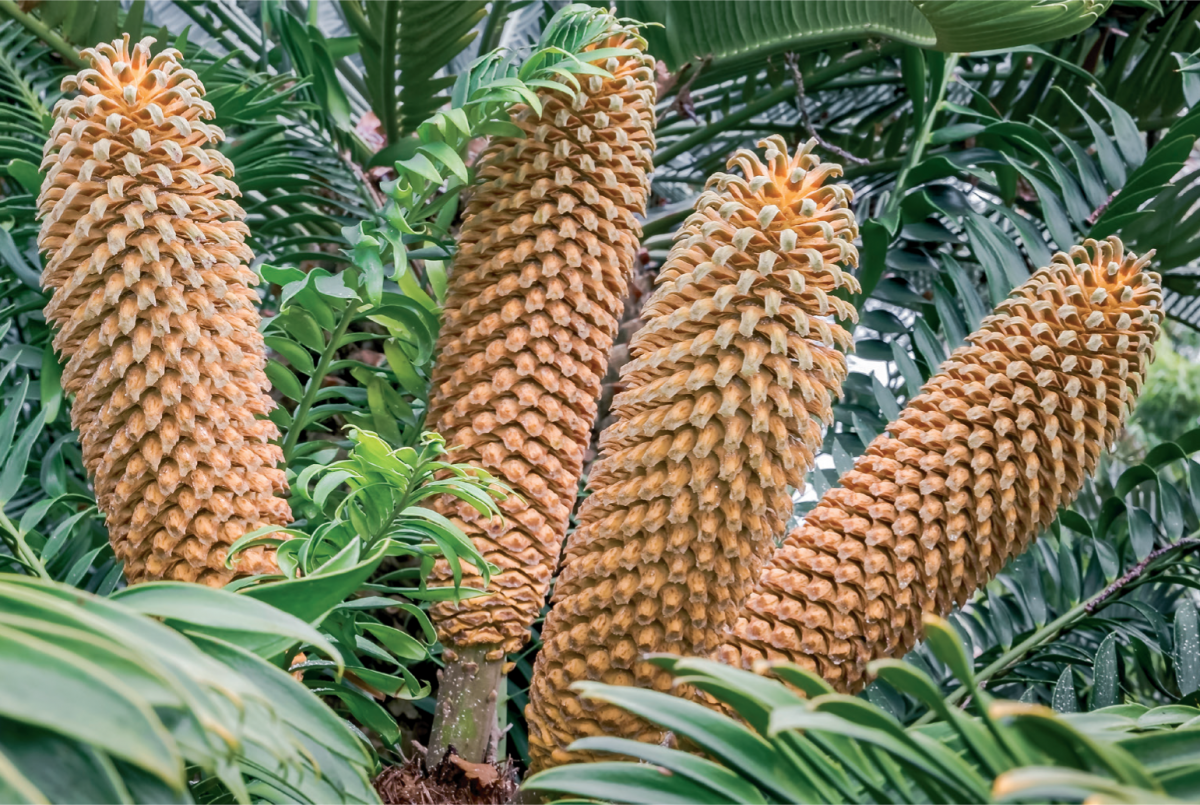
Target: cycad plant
(972, 470)
(443, 205)
(156, 319)
(727, 392)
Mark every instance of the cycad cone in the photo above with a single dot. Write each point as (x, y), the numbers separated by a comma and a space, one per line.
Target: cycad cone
(973, 469)
(147, 263)
(536, 289)
(730, 384)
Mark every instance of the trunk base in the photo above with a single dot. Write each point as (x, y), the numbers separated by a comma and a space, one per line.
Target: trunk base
(465, 715)
(453, 780)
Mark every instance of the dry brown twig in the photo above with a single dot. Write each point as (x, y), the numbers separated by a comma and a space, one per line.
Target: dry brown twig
(682, 105)
(806, 121)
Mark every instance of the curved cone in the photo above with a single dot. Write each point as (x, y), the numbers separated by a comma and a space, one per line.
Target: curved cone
(963, 481)
(535, 295)
(147, 263)
(730, 384)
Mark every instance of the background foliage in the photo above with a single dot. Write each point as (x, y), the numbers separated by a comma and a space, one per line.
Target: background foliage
(353, 127)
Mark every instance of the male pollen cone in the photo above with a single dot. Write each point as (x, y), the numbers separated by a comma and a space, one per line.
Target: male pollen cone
(730, 384)
(976, 465)
(147, 263)
(535, 296)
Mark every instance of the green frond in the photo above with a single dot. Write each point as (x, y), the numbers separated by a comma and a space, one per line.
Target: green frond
(404, 48)
(742, 31)
(962, 26)
(28, 87)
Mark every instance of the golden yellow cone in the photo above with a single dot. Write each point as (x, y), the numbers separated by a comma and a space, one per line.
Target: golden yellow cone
(147, 263)
(731, 381)
(536, 293)
(963, 481)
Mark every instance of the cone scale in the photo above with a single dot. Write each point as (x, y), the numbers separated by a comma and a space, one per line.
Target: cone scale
(729, 388)
(535, 296)
(963, 481)
(146, 259)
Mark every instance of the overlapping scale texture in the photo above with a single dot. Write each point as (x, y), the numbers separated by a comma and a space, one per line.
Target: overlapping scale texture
(535, 297)
(147, 264)
(730, 385)
(976, 465)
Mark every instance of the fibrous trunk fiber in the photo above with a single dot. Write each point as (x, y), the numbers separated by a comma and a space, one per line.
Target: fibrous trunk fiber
(535, 295)
(147, 263)
(730, 383)
(963, 481)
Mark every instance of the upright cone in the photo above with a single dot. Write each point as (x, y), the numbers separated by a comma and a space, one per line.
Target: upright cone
(536, 289)
(147, 263)
(730, 383)
(963, 481)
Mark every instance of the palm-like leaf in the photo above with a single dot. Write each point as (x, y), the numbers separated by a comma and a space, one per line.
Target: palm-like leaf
(405, 45)
(743, 33)
(27, 89)
(22, 70)
(803, 743)
(963, 27)
(294, 163)
(151, 715)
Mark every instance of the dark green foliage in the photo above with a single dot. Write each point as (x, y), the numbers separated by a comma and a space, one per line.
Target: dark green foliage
(404, 46)
(969, 169)
(737, 31)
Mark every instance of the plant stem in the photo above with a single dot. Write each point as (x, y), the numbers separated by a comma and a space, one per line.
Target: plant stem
(465, 715)
(43, 32)
(1039, 638)
(314, 383)
(917, 150)
(387, 57)
(493, 26)
(665, 223)
(1066, 621)
(25, 554)
(418, 472)
(1135, 573)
